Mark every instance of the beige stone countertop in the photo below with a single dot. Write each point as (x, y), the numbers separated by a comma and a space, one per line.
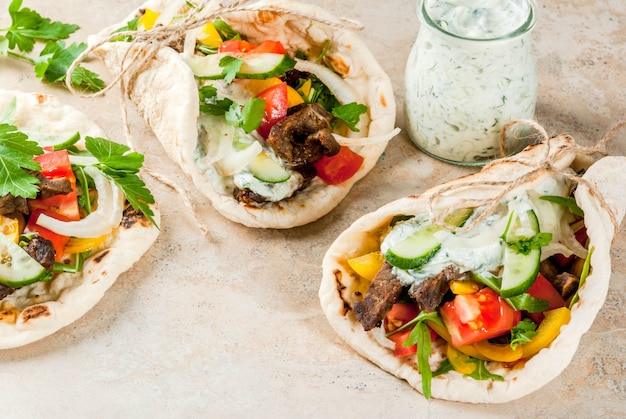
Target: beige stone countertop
(230, 325)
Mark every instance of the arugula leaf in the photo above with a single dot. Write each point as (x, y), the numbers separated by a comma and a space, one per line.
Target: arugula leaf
(350, 113)
(481, 372)
(583, 277)
(28, 26)
(16, 157)
(420, 335)
(522, 333)
(528, 303)
(131, 25)
(231, 66)
(568, 202)
(444, 367)
(524, 246)
(120, 165)
(249, 117)
(224, 30)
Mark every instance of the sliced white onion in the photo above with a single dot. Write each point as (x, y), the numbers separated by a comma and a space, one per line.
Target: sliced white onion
(107, 215)
(235, 162)
(337, 85)
(83, 160)
(360, 141)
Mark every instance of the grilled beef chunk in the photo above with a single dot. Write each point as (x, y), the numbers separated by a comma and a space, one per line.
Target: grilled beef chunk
(429, 293)
(42, 250)
(248, 197)
(304, 136)
(566, 284)
(10, 204)
(5, 291)
(382, 294)
(548, 269)
(51, 187)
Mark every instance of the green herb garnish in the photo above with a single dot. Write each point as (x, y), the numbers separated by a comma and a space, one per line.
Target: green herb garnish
(27, 28)
(522, 333)
(350, 114)
(248, 117)
(526, 245)
(16, 157)
(568, 202)
(121, 165)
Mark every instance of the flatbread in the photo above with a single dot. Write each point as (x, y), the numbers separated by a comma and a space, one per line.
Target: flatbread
(165, 94)
(45, 307)
(341, 288)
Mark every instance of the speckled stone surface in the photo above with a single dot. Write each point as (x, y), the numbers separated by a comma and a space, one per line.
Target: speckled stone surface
(229, 325)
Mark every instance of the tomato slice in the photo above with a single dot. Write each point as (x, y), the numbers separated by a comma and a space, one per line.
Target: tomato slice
(236, 46)
(56, 165)
(471, 318)
(340, 167)
(275, 47)
(58, 241)
(400, 314)
(543, 289)
(275, 107)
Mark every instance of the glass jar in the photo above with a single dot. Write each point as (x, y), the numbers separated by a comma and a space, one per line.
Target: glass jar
(471, 70)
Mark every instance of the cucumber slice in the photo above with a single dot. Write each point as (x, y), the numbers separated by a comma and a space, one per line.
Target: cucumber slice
(254, 66)
(267, 170)
(17, 268)
(520, 270)
(417, 249)
(57, 140)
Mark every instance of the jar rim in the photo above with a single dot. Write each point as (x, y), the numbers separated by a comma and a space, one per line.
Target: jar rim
(522, 29)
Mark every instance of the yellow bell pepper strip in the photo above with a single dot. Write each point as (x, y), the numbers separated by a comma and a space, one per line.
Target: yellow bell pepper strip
(458, 360)
(148, 19)
(547, 331)
(80, 245)
(367, 265)
(12, 227)
(467, 286)
(499, 352)
(209, 36)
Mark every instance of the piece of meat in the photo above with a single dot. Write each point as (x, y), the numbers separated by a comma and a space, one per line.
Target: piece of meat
(382, 294)
(42, 250)
(6, 291)
(10, 204)
(52, 187)
(566, 284)
(548, 269)
(304, 136)
(246, 196)
(429, 293)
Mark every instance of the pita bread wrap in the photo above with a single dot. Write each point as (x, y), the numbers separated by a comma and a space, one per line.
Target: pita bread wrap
(599, 194)
(35, 311)
(165, 93)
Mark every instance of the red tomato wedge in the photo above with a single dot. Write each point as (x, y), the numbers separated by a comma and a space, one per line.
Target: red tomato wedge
(56, 165)
(340, 167)
(471, 318)
(275, 107)
(236, 45)
(58, 241)
(400, 314)
(543, 289)
(239, 46)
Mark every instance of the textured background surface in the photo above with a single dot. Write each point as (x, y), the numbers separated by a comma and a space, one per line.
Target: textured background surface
(230, 325)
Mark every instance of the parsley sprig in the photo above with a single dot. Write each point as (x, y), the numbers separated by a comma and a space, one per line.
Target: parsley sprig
(121, 165)
(27, 28)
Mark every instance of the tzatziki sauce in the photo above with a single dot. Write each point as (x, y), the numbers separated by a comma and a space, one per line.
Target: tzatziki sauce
(471, 70)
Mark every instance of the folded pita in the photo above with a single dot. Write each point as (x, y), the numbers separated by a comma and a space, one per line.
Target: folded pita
(165, 93)
(44, 307)
(604, 206)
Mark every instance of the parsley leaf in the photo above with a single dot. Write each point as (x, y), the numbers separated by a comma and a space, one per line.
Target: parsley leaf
(523, 332)
(350, 113)
(209, 102)
(118, 163)
(231, 66)
(54, 61)
(16, 157)
(524, 246)
(249, 117)
(28, 26)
